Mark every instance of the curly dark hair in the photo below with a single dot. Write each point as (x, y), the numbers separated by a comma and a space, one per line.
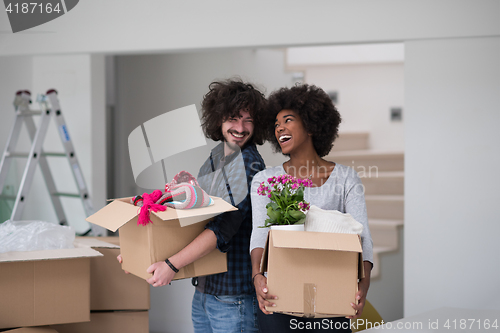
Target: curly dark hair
(225, 100)
(316, 110)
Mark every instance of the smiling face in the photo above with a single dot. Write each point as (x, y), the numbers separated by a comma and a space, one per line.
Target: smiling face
(290, 132)
(238, 130)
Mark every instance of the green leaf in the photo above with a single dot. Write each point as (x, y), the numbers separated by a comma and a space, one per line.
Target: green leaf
(297, 214)
(286, 216)
(267, 223)
(286, 192)
(276, 199)
(300, 221)
(299, 195)
(273, 214)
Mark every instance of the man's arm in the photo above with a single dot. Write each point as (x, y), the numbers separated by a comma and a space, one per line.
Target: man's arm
(202, 245)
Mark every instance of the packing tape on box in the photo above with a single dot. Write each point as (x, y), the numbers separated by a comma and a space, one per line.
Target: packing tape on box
(189, 270)
(309, 300)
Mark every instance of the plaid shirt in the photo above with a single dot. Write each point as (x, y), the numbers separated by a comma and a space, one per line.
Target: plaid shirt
(230, 177)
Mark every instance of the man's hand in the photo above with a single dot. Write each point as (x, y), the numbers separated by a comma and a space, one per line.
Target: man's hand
(260, 284)
(120, 260)
(363, 286)
(162, 274)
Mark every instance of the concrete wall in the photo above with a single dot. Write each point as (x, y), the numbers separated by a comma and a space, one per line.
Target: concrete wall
(153, 26)
(19, 72)
(451, 184)
(386, 292)
(366, 94)
(79, 80)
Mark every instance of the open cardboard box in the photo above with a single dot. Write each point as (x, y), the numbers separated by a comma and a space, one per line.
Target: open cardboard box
(314, 274)
(45, 287)
(169, 233)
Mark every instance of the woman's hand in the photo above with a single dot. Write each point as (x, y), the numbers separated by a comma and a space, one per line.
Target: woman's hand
(120, 260)
(363, 286)
(260, 284)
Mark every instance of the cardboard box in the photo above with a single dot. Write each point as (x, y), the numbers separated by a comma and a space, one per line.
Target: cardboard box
(110, 322)
(110, 287)
(169, 233)
(313, 274)
(32, 330)
(45, 287)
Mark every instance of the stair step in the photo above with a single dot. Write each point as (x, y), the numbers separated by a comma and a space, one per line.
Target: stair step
(367, 162)
(389, 207)
(385, 224)
(377, 251)
(385, 233)
(385, 183)
(351, 141)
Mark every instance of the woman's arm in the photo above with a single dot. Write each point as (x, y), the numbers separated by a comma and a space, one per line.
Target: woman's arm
(363, 286)
(259, 212)
(260, 281)
(356, 206)
(258, 241)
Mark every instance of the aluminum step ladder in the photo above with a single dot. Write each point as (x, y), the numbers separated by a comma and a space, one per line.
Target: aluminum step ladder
(49, 107)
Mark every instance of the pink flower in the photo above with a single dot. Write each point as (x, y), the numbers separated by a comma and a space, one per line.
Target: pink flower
(303, 206)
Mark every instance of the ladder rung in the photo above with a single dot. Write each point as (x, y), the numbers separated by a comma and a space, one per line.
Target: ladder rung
(29, 113)
(14, 154)
(62, 194)
(7, 197)
(55, 154)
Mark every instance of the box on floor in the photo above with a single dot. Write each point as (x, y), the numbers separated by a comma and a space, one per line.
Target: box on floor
(32, 330)
(170, 232)
(313, 274)
(110, 322)
(110, 287)
(45, 287)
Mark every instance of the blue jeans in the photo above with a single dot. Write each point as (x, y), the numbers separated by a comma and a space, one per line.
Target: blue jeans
(224, 314)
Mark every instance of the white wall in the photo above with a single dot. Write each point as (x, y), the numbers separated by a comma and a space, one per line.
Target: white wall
(153, 25)
(386, 291)
(19, 71)
(451, 183)
(366, 94)
(71, 76)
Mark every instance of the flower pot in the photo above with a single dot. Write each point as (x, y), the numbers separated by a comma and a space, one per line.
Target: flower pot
(292, 227)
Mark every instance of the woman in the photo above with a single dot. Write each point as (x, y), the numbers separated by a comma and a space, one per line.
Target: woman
(303, 123)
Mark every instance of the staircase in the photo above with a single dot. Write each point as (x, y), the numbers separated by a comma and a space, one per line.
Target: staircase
(382, 174)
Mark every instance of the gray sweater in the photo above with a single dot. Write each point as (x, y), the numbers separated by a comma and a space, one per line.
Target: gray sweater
(343, 191)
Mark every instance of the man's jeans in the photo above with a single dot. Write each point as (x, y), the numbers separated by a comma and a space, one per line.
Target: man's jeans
(224, 314)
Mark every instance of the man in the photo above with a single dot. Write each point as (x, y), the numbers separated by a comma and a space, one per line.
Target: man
(231, 113)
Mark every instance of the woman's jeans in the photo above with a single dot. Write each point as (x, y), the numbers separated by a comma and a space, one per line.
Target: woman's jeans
(280, 323)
